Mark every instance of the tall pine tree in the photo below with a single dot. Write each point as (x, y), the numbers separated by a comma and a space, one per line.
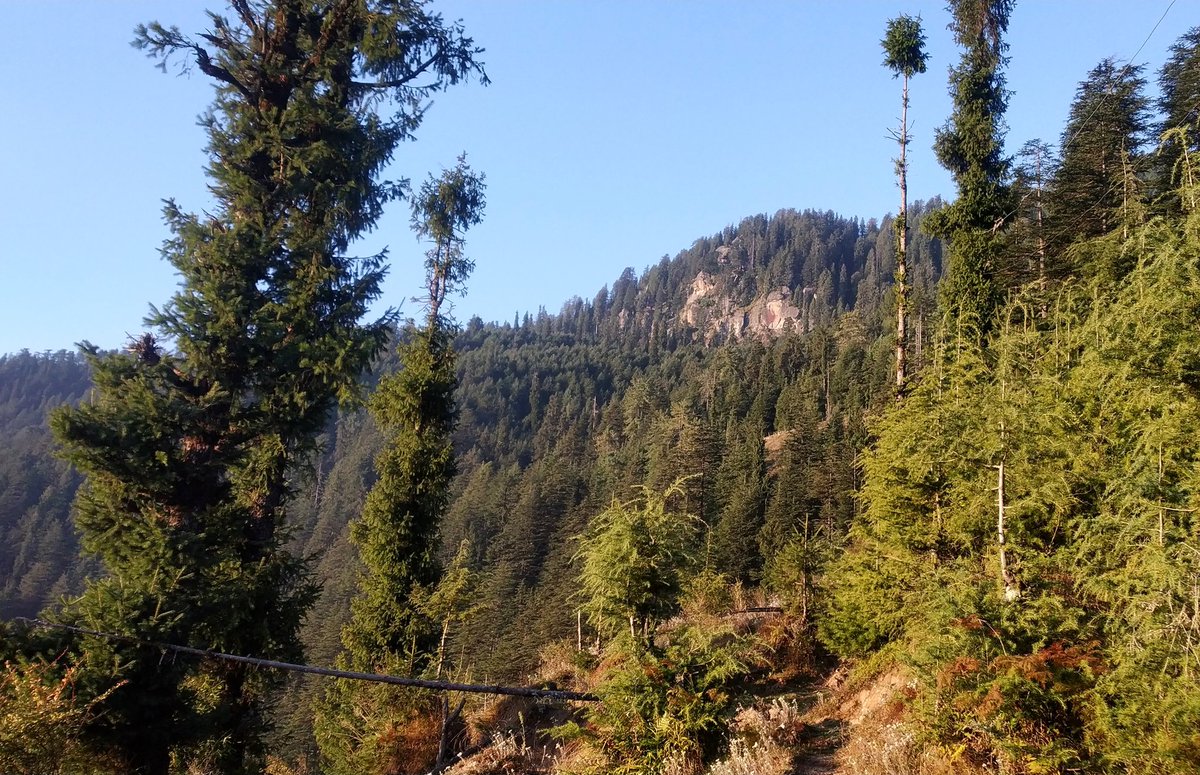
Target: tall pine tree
(189, 454)
(904, 55)
(971, 146)
(1095, 188)
(1179, 106)
(397, 536)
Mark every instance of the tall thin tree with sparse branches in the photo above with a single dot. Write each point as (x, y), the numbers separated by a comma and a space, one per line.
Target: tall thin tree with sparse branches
(904, 54)
(397, 536)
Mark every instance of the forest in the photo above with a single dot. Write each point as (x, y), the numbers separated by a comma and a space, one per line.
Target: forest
(913, 493)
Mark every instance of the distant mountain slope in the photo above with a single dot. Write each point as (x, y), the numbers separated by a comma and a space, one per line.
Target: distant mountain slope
(38, 547)
(776, 328)
(767, 327)
(770, 327)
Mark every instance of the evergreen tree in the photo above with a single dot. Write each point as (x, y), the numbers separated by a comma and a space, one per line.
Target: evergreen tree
(1179, 106)
(1095, 187)
(188, 454)
(1136, 547)
(1028, 246)
(633, 562)
(684, 448)
(742, 488)
(397, 536)
(971, 147)
(904, 55)
(1028, 530)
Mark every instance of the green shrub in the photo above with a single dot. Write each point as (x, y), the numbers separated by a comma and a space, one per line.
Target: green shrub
(41, 719)
(663, 703)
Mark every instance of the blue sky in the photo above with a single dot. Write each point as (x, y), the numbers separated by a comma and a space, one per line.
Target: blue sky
(614, 132)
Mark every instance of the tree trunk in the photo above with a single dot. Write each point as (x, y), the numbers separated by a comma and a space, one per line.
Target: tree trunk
(1041, 239)
(1011, 590)
(441, 652)
(902, 252)
(239, 730)
(448, 719)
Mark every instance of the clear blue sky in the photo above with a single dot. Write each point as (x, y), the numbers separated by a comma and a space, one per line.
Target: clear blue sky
(615, 131)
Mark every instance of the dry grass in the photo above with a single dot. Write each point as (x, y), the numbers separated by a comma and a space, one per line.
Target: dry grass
(562, 664)
(510, 754)
(412, 745)
(879, 737)
(881, 749)
(764, 741)
(510, 734)
(895, 748)
(786, 649)
(756, 759)
(521, 718)
(277, 766)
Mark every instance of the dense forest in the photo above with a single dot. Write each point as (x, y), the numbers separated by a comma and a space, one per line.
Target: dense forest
(946, 457)
(40, 562)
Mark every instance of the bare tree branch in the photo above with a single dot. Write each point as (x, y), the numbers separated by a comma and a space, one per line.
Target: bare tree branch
(399, 82)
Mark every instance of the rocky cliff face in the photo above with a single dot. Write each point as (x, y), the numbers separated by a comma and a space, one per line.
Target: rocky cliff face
(710, 310)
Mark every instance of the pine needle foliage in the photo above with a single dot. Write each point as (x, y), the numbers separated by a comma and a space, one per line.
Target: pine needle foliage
(971, 147)
(665, 692)
(189, 451)
(664, 708)
(40, 712)
(1095, 186)
(1028, 529)
(634, 560)
(1179, 108)
(398, 533)
(904, 47)
(397, 536)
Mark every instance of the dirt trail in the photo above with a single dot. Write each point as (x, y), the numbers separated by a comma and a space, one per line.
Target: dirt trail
(838, 708)
(821, 742)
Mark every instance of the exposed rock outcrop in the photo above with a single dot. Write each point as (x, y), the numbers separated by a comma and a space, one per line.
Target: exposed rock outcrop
(711, 310)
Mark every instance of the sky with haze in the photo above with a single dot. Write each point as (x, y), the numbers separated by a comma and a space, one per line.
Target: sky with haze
(614, 132)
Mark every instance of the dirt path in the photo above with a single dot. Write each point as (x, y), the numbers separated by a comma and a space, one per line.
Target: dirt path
(820, 743)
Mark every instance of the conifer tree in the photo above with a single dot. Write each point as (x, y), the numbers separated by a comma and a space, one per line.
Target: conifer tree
(1094, 189)
(742, 488)
(904, 55)
(397, 536)
(1028, 239)
(1136, 550)
(1179, 106)
(633, 562)
(971, 146)
(189, 453)
(1028, 527)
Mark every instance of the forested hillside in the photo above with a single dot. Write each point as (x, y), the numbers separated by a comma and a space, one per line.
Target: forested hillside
(817, 494)
(604, 391)
(560, 414)
(39, 552)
